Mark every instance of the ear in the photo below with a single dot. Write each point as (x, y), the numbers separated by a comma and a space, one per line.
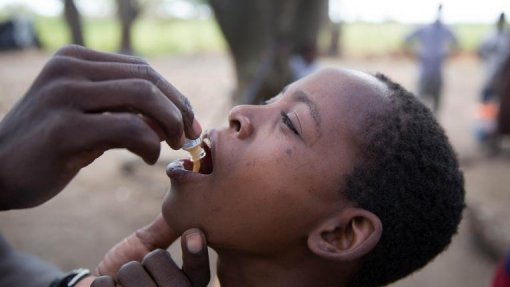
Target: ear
(347, 235)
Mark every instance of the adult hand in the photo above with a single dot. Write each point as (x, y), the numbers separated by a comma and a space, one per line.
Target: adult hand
(156, 235)
(157, 269)
(82, 104)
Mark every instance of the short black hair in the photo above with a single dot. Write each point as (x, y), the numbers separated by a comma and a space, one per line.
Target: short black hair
(410, 178)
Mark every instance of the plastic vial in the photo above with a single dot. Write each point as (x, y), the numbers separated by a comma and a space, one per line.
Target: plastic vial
(194, 147)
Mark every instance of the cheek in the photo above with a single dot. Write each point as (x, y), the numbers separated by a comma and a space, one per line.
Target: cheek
(268, 187)
(259, 201)
(257, 159)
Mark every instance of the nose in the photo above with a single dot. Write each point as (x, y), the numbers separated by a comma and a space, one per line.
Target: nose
(240, 121)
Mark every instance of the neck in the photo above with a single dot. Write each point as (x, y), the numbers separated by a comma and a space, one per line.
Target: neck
(236, 269)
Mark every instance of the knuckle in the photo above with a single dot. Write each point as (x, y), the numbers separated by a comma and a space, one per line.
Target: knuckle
(134, 125)
(70, 50)
(57, 64)
(154, 76)
(60, 129)
(145, 87)
(60, 67)
(139, 60)
(58, 93)
(144, 70)
(147, 72)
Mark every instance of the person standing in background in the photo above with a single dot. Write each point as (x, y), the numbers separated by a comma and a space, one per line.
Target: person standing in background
(494, 50)
(432, 44)
(491, 113)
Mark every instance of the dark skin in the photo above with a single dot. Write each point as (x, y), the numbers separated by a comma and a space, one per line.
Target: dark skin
(270, 218)
(157, 269)
(273, 207)
(83, 103)
(323, 248)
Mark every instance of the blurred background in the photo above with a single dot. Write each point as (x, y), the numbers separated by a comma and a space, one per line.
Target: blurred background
(223, 52)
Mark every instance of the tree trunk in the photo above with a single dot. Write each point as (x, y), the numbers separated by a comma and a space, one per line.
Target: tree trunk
(261, 36)
(335, 44)
(72, 16)
(128, 11)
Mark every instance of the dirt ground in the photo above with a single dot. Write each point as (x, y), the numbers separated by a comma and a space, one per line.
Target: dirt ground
(104, 203)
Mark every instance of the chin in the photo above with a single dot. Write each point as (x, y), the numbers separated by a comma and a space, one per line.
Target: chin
(179, 213)
(172, 213)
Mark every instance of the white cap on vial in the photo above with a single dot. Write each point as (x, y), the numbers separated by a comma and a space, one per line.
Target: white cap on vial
(191, 147)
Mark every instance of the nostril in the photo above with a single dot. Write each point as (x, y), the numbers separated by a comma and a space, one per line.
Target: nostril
(235, 124)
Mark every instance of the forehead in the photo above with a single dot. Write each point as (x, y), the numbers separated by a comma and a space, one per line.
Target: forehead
(343, 100)
(342, 95)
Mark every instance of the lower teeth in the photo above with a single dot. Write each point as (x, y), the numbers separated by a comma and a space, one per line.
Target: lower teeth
(176, 164)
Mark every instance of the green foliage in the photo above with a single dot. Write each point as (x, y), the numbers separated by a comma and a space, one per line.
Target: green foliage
(158, 36)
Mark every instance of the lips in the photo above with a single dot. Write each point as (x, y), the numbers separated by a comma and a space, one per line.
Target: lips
(181, 170)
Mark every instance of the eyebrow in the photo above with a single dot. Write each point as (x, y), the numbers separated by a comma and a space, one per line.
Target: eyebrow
(302, 97)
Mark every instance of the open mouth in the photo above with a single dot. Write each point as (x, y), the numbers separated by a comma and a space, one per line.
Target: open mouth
(182, 169)
(206, 163)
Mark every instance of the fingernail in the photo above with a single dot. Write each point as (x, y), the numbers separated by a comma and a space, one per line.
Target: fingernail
(194, 242)
(197, 127)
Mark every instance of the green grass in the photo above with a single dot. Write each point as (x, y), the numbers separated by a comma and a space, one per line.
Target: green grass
(373, 39)
(150, 37)
(471, 35)
(376, 39)
(156, 37)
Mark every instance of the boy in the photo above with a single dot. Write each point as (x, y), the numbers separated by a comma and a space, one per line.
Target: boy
(344, 179)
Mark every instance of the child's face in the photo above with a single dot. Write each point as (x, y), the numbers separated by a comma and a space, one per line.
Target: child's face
(270, 186)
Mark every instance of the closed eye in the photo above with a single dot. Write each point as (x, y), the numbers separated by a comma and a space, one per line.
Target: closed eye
(286, 120)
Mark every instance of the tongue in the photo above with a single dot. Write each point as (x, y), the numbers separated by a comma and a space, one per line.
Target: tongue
(187, 164)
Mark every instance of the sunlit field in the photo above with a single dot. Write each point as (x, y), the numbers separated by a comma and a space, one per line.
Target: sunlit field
(150, 37)
(156, 36)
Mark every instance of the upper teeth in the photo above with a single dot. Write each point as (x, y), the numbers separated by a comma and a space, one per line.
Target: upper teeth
(207, 141)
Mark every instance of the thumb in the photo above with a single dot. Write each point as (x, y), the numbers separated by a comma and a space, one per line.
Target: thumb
(134, 247)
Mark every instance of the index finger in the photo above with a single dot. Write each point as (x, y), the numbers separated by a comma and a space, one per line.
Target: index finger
(103, 71)
(192, 128)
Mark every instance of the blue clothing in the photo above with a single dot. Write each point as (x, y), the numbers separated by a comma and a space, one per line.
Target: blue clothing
(494, 50)
(434, 43)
